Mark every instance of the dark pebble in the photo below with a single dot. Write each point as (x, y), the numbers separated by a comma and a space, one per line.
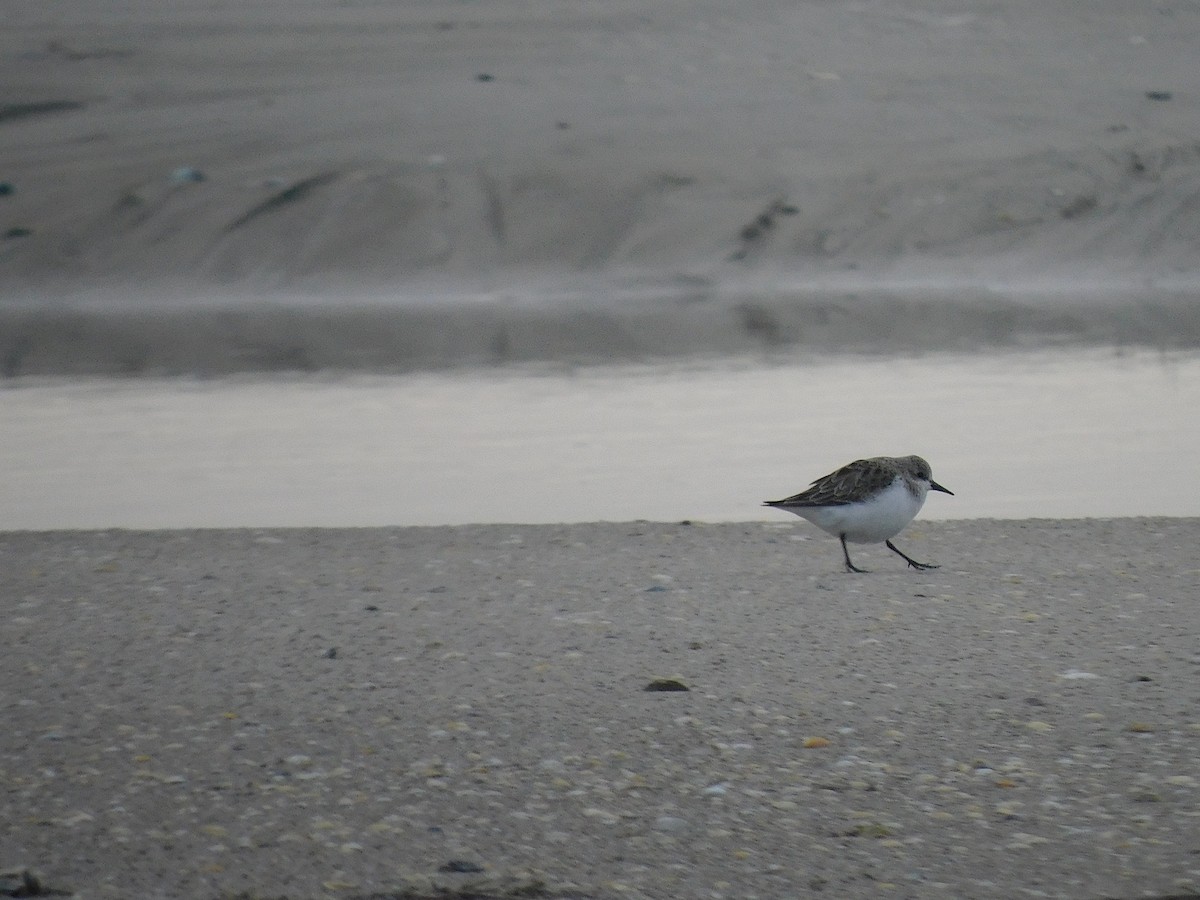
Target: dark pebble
(666, 684)
(461, 867)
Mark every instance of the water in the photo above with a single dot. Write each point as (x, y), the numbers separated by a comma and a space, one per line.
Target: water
(1014, 435)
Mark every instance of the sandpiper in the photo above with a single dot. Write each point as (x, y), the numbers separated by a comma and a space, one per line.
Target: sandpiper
(867, 501)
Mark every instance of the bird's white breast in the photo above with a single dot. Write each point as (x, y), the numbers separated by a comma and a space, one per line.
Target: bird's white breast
(870, 521)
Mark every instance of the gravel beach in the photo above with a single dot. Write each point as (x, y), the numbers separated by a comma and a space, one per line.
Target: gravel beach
(467, 711)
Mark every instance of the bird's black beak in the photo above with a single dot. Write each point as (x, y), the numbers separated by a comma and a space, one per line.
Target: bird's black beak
(934, 486)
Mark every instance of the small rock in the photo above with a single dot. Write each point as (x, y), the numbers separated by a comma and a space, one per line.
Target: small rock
(666, 684)
(669, 823)
(187, 175)
(23, 883)
(460, 867)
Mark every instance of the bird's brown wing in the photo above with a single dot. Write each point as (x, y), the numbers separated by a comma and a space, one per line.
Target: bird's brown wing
(851, 481)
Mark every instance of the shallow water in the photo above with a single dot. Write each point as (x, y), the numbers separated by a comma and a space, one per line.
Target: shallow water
(1047, 434)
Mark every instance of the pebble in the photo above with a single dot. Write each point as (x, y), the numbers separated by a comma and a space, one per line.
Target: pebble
(666, 684)
(187, 175)
(21, 883)
(670, 823)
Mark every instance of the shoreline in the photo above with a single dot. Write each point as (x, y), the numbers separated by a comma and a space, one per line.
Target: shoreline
(700, 441)
(307, 712)
(768, 523)
(106, 334)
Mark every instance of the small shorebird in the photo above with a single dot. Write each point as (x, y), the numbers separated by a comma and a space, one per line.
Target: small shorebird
(867, 501)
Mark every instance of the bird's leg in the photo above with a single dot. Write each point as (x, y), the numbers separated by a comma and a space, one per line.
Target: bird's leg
(851, 567)
(912, 562)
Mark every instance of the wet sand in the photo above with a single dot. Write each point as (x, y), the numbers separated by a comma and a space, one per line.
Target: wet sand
(351, 712)
(1063, 435)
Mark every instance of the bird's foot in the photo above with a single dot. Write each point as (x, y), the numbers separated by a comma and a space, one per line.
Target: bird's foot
(908, 559)
(850, 567)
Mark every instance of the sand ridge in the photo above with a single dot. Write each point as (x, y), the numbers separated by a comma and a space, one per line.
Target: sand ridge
(563, 180)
